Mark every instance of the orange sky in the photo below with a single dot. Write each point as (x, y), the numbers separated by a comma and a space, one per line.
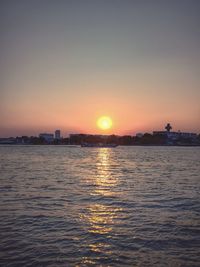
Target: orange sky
(65, 65)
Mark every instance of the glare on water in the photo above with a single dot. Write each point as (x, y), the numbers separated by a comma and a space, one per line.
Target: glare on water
(127, 206)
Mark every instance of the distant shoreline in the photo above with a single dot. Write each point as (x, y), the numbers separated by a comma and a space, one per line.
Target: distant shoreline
(156, 138)
(142, 145)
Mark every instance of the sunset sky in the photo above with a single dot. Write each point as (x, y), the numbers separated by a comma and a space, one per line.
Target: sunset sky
(65, 63)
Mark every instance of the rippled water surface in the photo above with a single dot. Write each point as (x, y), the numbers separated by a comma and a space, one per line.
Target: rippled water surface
(124, 206)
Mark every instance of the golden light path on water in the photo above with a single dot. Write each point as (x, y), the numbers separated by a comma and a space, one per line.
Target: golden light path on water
(99, 216)
(105, 180)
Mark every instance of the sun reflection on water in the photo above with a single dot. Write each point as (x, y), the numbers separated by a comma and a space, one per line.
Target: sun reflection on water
(104, 180)
(100, 217)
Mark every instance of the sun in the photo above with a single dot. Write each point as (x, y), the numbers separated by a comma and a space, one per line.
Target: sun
(104, 123)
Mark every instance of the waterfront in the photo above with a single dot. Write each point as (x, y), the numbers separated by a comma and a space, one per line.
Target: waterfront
(124, 206)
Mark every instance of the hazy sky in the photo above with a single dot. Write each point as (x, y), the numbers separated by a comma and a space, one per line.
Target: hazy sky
(64, 63)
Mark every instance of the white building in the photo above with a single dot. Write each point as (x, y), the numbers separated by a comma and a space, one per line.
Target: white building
(176, 135)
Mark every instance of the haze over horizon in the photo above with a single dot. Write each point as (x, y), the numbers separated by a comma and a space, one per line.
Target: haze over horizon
(64, 64)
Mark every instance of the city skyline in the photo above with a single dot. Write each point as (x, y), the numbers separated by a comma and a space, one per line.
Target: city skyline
(59, 134)
(65, 64)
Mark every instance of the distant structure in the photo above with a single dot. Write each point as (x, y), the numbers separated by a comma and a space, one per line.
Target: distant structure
(57, 135)
(168, 127)
(48, 137)
(174, 136)
(139, 135)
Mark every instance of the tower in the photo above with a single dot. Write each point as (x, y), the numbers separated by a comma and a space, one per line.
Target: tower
(168, 127)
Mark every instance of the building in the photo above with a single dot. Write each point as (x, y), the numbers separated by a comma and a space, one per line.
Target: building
(48, 137)
(57, 135)
(139, 135)
(167, 134)
(174, 136)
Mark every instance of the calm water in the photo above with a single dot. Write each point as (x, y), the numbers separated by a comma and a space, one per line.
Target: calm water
(72, 206)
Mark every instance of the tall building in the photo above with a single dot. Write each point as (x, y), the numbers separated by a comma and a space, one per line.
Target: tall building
(57, 134)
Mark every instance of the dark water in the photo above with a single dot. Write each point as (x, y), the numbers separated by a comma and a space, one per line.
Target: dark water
(72, 206)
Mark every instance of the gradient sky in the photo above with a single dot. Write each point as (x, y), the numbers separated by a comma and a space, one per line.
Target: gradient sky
(64, 63)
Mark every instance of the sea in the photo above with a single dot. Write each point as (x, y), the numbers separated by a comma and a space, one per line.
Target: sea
(123, 206)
